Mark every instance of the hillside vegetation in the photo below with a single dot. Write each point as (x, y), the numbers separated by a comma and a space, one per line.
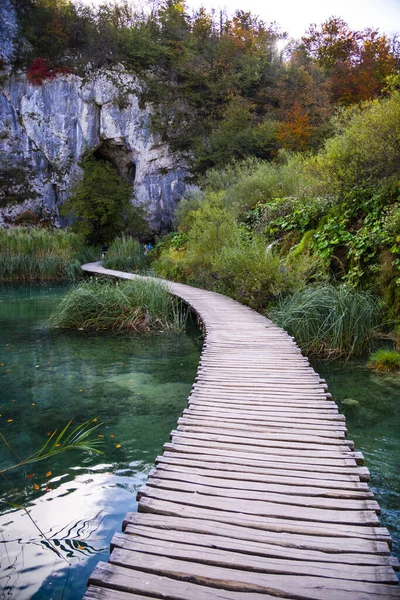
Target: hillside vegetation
(294, 152)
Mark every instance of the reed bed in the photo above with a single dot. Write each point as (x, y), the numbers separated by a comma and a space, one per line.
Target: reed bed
(330, 321)
(125, 254)
(29, 253)
(99, 304)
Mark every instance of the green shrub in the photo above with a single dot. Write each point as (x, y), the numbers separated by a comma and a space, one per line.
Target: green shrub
(250, 274)
(330, 321)
(366, 146)
(385, 360)
(138, 305)
(125, 254)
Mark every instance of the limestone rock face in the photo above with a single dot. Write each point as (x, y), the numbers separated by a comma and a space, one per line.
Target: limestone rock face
(45, 129)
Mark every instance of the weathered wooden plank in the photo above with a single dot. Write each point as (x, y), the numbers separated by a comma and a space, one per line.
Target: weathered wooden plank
(269, 417)
(134, 581)
(189, 446)
(262, 473)
(200, 485)
(274, 445)
(256, 548)
(260, 508)
(101, 593)
(283, 438)
(255, 460)
(244, 482)
(327, 541)
(213, 511)
(237, 560)
(307, 587)
(264, 425)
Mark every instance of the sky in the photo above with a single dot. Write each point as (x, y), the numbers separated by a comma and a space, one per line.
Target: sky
(294, 16)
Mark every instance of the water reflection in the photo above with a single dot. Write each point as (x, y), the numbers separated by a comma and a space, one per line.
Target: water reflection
(135, 386)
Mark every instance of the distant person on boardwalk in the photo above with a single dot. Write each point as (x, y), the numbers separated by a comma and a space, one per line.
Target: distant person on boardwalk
(104, 249)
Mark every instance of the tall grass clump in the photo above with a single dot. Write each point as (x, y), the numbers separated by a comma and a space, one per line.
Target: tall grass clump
(43, 254)
(99, 304)
(385, 361)
(125, 254)
(330, 321)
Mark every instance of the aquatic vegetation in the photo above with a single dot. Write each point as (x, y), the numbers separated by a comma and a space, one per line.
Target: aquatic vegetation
(138, 305)
(40, 254)
(330, 321)
(125, 254)
(63, 441)
(385, 361)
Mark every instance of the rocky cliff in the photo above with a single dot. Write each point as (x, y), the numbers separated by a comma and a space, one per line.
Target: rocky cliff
(45, 129)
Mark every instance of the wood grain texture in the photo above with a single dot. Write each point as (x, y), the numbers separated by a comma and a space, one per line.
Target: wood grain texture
(258, 494)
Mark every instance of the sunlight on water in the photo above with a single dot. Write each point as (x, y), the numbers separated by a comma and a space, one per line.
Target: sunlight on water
(135, 386)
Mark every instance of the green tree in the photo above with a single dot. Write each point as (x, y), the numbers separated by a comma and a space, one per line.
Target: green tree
(100, 204)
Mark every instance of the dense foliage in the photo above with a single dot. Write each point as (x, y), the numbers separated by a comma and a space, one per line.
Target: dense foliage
(259, 230)
(220, 86)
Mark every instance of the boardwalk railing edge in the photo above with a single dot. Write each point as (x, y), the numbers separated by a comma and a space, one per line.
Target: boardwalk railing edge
(258, 494)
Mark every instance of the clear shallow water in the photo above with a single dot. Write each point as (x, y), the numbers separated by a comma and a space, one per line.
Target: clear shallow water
(371, 403)
(136, 386)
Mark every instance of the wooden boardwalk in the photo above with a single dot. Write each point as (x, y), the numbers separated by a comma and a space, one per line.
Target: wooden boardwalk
(258, 494)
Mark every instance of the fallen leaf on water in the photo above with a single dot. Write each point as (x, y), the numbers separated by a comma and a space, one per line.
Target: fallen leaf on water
(48, 433)
(57, 445)
(81, 390)
(10, 420)
(112, 435)
(33, 404)
(95, 420)
(36, 487)
(48, 474)
(29, 476)
(81, 548)
(100, 435)
(118, 445)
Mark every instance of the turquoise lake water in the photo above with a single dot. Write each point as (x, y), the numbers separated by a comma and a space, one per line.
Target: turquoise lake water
(136, 386)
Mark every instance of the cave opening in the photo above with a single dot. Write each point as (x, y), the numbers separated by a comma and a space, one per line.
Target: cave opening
(117, 154)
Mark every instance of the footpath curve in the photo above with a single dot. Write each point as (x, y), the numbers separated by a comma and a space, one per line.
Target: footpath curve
(258, 495)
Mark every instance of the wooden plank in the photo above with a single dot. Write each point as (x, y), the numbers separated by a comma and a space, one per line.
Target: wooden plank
(262, 473)
(227, 490)
(134, 581)
(209, 522)
(307, 587)
(237, 560)
(269, 417)
(262, 425)
(302, 448)
(260, 508)
(282, 437)
(257, 453)
(255, 460)
(101, 593)
(256, 548)
(213, 511)
(242, 480)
